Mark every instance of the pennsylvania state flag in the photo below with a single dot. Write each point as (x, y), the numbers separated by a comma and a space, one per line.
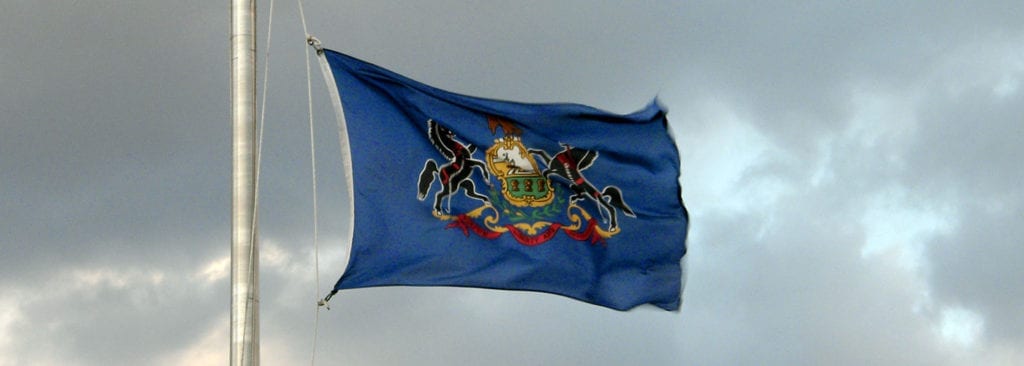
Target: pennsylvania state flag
(452, 190)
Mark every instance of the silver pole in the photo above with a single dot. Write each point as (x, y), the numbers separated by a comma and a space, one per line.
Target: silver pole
(245, 349)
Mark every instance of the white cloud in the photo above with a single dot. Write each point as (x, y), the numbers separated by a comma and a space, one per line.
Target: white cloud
(896, 220)
(86, 314)
(961, 326)
(215, 270)
(9, 314)
(728, 161)
(210, 349)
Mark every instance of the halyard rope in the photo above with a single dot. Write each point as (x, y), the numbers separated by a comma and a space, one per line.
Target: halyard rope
(312, 157)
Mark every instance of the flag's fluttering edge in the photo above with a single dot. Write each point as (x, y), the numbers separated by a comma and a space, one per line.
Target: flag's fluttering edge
(452, 190)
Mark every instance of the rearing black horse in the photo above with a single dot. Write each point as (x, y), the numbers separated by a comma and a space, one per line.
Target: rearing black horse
(453, 175)
(569, 164)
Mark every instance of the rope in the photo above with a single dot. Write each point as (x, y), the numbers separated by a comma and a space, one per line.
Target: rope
(316, 215)
(316, 211)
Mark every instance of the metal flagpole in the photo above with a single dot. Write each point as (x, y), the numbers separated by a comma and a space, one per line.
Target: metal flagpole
(245, 349)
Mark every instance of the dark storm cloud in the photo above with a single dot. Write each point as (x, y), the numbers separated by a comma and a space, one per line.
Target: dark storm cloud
(112, 128)
(793, 64)
(970, 153)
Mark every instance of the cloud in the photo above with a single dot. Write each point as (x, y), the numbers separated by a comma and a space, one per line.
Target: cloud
(904, 208)
(788, 268)
(110, 134)
(103, 314)
(965, 155)
(208, 348)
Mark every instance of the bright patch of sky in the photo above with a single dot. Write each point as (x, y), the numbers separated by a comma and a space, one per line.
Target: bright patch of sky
(215, 270)
(961, 326)
(726, 154)
(895, 221)
(9, 313)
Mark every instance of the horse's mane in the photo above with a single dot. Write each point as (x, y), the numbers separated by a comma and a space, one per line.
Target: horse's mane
(439, 139)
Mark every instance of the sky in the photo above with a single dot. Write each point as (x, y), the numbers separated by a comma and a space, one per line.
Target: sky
(851, 170)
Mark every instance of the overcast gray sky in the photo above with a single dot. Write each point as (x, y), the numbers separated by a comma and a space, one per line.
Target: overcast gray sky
(852, 170)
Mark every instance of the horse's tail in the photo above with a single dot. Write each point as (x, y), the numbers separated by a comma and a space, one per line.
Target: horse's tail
(614, 197)
(426, 178)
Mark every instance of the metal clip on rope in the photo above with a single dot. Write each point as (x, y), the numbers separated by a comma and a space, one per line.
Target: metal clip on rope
(312, 41)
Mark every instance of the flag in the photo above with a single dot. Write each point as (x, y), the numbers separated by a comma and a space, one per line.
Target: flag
(454, 190)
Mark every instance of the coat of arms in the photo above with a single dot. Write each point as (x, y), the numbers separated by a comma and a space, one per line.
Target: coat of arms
(531, 204)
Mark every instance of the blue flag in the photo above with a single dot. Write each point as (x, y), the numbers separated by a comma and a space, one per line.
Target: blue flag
(453, 190)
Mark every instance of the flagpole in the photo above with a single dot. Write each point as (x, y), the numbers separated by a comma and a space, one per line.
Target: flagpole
(245, 350)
